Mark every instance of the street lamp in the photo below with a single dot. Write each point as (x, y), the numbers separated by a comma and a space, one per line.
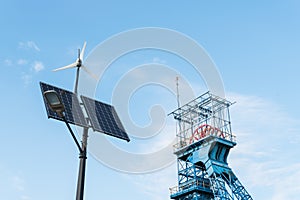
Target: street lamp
(55, 103)
(64, 105)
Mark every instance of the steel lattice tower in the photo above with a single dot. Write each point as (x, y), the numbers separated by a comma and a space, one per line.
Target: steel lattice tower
(204, 141)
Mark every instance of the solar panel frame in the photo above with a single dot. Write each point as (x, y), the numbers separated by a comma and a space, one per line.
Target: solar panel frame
(104, 118)
(73, 112)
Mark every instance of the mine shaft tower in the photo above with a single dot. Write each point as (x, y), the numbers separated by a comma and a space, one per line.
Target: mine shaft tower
(204, 138)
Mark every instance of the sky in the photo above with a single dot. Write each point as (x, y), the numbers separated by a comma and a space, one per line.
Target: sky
(254, 46)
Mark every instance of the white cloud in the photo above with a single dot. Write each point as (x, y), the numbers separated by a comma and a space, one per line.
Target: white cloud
(29, 45)
(156, 185)
(26, 79)
(37, 66)
(264, 157)
(22, 62)
(8, 62)
(158, 60)
(12, 183)
(24, 197)
(18, 183)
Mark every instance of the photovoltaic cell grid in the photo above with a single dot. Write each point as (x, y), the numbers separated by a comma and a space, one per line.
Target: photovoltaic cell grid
(73, 112)
(104, 118)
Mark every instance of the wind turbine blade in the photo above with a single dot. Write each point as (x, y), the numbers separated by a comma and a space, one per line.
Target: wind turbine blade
(66, 67)
(89, 72)
(82, 51)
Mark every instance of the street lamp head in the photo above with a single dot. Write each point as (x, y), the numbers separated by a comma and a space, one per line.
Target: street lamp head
(54, 102)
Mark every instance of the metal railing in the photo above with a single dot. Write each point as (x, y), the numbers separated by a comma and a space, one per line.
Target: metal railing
(187, 141)
(204, 184)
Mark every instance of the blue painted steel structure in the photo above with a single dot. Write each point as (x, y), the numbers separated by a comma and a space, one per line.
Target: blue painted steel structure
(204, 141)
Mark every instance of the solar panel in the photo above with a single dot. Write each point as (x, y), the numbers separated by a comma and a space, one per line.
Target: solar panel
(73, 112)
(104, 118)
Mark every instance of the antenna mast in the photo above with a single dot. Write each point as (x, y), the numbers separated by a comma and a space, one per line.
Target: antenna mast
(177, 91)
(180, 135)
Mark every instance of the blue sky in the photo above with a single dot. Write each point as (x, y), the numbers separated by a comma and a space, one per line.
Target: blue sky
(254, 44)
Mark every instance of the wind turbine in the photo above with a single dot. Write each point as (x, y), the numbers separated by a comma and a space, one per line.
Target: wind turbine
(78, 63)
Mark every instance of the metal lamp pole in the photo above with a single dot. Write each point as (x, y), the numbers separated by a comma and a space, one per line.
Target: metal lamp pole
(57, 106)
(82, 157)
(82, 164)
(83, 153)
